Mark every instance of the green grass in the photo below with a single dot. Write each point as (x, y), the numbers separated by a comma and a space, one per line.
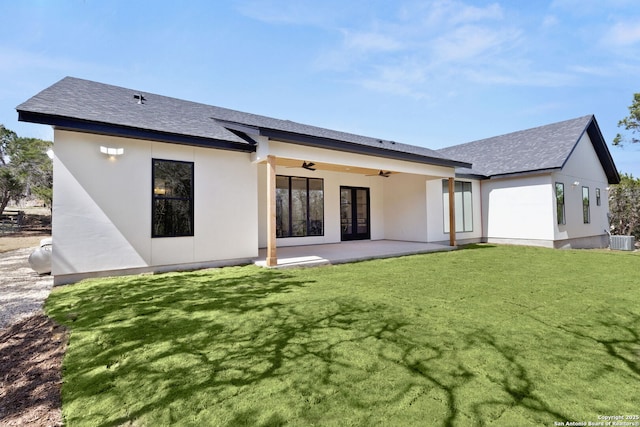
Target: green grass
(486, 335)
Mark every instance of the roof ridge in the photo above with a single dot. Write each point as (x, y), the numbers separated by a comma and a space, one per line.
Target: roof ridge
(231, 110)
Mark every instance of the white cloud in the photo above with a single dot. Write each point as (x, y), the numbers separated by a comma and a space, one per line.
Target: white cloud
(467, 14)
(550, 21)
(399, 79)
(471, 41)
(623, 34)
(370, 41)
(427, 48)
(448, 12)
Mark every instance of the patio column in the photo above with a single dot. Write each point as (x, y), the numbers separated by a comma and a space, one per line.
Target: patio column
(272, 258)
(452, 212)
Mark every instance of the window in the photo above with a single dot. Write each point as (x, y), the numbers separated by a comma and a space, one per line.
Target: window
(597, 197)
(299, 206)
(585, 205)
(463, 204)
(560, 203)
(172, 209)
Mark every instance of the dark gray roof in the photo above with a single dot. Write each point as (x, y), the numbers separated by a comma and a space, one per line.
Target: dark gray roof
(82, 104)
(539, 149)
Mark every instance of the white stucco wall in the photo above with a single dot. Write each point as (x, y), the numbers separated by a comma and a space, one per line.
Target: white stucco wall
(584, 168)
(519, 208)
(102, 206)
(405, 208)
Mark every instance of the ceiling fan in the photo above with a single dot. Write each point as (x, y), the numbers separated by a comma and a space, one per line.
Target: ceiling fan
(308, 166)
(382, 173)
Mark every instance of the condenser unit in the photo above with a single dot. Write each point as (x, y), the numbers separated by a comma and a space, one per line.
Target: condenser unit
(623, 243)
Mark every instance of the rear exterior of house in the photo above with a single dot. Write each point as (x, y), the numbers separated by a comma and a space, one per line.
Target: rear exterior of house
(145, 183)
(150, 183)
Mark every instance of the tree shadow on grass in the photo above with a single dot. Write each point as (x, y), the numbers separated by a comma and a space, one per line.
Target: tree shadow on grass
(252, 348)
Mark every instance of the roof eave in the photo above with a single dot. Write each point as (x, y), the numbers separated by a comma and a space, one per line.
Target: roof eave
(67, 123)
(603, 153)
(525, 173)
(471, 176)
(334, 144)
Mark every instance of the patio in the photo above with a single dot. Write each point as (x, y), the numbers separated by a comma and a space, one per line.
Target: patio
(338, 253)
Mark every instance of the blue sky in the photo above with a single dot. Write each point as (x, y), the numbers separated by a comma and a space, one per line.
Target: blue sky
(429, 73)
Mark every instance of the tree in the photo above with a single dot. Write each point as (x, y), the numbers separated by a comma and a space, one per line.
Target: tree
(624, 205)
(630, 123)
(25, 168)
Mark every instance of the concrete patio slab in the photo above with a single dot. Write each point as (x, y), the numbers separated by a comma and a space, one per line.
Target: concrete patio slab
(338, 253)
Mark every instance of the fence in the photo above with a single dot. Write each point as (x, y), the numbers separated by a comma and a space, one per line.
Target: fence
(11, 221)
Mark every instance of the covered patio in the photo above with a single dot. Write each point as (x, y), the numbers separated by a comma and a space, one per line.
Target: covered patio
(343, 252)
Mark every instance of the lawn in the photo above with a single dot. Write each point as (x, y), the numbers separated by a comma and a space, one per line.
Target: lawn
(485, 335)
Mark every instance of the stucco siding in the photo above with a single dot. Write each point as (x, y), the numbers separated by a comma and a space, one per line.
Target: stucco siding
(102, 205)
(405, 208)
(518, 208)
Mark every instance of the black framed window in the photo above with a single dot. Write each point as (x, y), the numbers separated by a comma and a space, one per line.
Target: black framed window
(598, 197)
(172, 194)
(560, 203)
(586, 216)
(299, 206)
(464, 205)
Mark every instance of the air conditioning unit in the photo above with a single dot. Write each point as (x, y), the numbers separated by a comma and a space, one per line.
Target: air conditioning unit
(623, 243)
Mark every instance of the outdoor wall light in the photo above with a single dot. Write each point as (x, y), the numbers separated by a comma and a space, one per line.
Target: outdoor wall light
(576, 183)
(111, 151)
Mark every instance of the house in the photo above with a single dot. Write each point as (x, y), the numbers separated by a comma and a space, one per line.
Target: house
(546, 186)
(144, 182)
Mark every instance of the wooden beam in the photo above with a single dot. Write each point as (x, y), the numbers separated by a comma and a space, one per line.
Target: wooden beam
(452, 212)
(272, 258)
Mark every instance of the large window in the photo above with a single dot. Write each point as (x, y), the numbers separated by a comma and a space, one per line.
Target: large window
(299, 206)
(172, 209)
(560, 203)
(586, 217)
(463, 204)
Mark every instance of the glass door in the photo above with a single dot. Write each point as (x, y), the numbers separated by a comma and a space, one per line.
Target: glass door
(354, 213)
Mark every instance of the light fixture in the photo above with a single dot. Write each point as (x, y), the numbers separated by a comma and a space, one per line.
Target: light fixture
(109, 151)
(576, 183)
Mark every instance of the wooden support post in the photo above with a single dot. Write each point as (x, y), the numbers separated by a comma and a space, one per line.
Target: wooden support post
(452, 212)
(272, 258)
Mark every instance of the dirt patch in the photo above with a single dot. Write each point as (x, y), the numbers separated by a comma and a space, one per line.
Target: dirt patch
(35, 227)
(13, 242)
(31, 347)
(31, 353)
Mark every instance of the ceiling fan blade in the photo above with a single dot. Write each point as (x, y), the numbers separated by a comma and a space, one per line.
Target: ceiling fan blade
(382, 173)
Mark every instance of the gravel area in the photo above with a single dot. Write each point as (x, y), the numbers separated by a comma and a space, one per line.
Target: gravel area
(22, 290)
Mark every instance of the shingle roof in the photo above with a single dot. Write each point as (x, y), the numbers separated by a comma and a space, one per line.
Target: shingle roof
(88, 102)
(542, 148)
